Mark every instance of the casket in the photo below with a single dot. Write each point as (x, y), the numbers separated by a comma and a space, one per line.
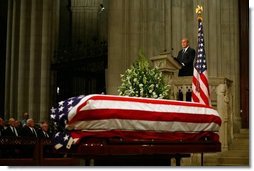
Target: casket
(107, 125)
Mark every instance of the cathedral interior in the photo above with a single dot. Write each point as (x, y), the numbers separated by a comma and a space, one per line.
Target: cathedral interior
(51, 50)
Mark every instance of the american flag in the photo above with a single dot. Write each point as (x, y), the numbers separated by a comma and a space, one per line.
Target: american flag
(128, 118)
(200, 86)
(59, 115)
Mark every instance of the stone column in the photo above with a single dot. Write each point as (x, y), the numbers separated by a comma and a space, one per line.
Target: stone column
(12, 58)
(31, 26)
(46, 54)
(133, 25)
(23, 57)
(34, 59)
(116, 42)
(8, 60)
(168, 26)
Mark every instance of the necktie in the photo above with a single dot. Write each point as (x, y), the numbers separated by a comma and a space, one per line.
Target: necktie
(15, 131)
(183, 53)
(46, 135)
(34, 132)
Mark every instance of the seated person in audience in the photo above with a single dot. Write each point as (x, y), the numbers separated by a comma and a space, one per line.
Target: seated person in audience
(43, 132)
(18, 126)
(11, 131)
(29, 130)
(25, 117)
(1, 126)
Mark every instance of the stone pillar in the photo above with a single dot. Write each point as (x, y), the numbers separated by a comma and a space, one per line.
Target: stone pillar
(12, 58)
(29, 48)
(134, 25)
(46, 53)
(23, 56)
(116, 47)
(7, 99)
(34, 60)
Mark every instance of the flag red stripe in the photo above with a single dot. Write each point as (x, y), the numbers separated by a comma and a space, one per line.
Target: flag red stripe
(203, 78)
(195, 97)
(204, 94)
(147, 135)
(144, 115)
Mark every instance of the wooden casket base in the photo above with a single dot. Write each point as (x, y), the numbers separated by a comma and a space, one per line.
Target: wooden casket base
(107, 150)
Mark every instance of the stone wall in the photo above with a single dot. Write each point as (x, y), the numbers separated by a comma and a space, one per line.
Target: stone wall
(158, 26)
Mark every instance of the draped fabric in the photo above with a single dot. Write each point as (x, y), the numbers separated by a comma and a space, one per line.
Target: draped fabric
(200, 86)
(108, 116)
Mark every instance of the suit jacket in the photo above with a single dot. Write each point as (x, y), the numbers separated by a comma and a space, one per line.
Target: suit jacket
(1, 130)
(9, 133)
(187, 58)
(27, 132)
(42, 135)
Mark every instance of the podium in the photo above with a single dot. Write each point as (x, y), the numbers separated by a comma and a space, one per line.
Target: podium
(167, 64)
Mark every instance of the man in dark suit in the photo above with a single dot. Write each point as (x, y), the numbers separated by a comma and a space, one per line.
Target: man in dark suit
(11, 131)
(43, 132)
(29, 130)
(186, 57)
(1, 126)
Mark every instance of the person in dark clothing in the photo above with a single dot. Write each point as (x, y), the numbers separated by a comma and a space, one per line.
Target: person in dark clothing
(11, 131)
(29, 130)
(186, 57)
(43, 132)
(1, 126)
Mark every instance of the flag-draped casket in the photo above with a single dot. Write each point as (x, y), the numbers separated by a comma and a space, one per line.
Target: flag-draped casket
(109, 116)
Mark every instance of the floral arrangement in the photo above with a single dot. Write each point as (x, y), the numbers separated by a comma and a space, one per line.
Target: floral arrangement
(142, 80)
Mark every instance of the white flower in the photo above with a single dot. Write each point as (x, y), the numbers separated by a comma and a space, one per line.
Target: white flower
(142, 80)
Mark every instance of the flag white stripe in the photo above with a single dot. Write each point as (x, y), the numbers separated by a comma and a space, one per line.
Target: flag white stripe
(196, 93)
(125, 105)
(196, 75)
(202, 86)
(142, 125)
(73, 111)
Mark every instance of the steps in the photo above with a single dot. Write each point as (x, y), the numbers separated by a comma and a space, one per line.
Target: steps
(237, 154)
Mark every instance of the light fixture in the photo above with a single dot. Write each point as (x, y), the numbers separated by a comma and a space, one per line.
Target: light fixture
(102, 8)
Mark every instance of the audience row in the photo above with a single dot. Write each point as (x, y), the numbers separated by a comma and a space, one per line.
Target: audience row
(15, 128)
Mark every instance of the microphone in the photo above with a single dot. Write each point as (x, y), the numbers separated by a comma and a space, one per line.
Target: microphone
(172, 49)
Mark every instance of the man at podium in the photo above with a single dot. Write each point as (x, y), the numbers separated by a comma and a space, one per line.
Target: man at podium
(186, 57)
